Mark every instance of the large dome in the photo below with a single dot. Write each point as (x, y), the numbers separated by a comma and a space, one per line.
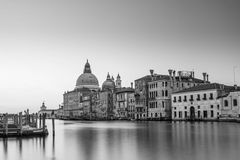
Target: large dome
(87, 79)
(108, 84)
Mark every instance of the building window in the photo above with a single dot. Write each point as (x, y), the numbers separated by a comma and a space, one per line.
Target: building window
(185, 107)
(163, 84)
(185, 114)
(174, 99)
(212, 114)
(226, 103)
(218, 106)
(185, 99)
(205, 96)
(162, 93)
(177, 85)
(166, 93)
(235, 103)
(166, 84)
(180, 114)
(191, 98)
(198, 97)
(175, 114)
(211, 106)
(163, 104)
(204, 114)
(179, 99)
(211, 96)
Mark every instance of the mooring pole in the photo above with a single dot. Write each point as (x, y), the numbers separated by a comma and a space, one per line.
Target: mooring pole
(20, 122)
(53, 126)
(6, 124)
(40, 120)
(44, 116)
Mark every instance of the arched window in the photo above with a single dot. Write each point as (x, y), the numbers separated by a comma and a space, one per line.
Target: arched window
(226, 103)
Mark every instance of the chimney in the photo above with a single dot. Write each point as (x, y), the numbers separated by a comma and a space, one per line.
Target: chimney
(132, 85)
(170, 73)
(204, 77)
(180, 74)
(151, 72)
(207, 78)
(174, 75)
(235, 87)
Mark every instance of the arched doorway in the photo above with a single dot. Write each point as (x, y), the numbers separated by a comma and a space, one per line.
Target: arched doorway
(192, 113)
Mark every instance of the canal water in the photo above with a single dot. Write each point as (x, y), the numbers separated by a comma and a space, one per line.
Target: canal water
(120, 140)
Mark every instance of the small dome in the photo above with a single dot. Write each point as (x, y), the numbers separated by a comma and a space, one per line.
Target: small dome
(87, 79)
(108, 84)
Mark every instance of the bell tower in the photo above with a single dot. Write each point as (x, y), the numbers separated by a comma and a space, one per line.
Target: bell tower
(118, 82)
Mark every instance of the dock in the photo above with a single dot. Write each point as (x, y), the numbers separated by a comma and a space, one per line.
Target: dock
(19, 125)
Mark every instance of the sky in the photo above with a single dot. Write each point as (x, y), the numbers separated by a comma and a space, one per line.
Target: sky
(44, 44)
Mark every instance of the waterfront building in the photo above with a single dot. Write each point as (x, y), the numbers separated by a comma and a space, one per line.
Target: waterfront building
(141, 97)
(88, 100)
(230, 105)
(131, 106)
(201, 102)
(50, 113)
(123, 96)
(161, 87)
(76, 103)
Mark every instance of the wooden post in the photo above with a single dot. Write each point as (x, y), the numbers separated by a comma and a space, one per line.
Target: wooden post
(6, 124)
(40, 121)
(20, 122)
(44, 118)
(53, 126)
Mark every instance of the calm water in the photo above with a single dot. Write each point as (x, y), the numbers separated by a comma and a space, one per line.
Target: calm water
(129, 141)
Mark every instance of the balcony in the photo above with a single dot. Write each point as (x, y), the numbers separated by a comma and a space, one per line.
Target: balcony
(185, 100)
(198, 99)
(191, 99)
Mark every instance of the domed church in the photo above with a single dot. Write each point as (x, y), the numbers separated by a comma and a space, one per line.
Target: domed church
(87, 79)
(108, 84)
(87, 100)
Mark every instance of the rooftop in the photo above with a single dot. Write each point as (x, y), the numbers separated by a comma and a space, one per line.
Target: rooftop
(209, 86)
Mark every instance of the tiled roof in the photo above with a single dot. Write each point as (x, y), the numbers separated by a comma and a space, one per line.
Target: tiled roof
(183, 79)
(209, 86)
(121, 90)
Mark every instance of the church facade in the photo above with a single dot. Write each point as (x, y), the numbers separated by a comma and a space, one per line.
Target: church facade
(89, 101)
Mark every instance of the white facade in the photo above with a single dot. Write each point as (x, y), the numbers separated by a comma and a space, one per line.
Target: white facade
(203, 104)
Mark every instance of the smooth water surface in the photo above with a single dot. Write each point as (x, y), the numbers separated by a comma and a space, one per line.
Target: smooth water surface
(119, 140)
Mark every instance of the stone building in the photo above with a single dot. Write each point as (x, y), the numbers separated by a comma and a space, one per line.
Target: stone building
(230, 105)
(141, 97)
(50, 113)
(87, 100)
(160, 88)
(123, 97)
(201, 102)
(76, 103)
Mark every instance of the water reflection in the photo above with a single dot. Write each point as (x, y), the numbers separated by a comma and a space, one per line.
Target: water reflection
(26, 148)
(129, 141)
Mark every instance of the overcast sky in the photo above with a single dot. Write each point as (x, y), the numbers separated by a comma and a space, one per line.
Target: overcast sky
(44, 44)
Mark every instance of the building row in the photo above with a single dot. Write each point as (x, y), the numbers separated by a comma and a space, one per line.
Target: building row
(174, 96)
